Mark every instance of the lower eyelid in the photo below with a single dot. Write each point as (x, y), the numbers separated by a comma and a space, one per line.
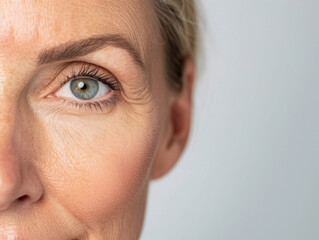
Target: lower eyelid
(101, 106)
(74, 107)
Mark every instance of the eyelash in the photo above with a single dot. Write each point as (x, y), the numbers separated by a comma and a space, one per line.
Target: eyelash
(92, 72)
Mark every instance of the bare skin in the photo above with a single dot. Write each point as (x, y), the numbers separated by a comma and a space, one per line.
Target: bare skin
(70, 169)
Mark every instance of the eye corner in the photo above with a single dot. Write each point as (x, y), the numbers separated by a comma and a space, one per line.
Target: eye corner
(51, 96)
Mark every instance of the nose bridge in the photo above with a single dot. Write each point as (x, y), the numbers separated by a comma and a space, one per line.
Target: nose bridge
(7, 120)
(8, 100)
(18, 177)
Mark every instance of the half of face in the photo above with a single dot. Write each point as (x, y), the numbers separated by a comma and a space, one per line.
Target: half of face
(87, 117)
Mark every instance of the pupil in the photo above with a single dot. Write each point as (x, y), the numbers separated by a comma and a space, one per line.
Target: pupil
(81, 85)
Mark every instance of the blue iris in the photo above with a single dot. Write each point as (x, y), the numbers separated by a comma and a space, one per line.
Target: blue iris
(84, 88)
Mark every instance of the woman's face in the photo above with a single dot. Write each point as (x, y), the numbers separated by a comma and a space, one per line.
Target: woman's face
(84, 117)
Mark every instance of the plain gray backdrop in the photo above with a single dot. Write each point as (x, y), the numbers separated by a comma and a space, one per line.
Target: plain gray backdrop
(251, 168)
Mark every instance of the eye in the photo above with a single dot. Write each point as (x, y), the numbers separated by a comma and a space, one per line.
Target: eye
(83, 88)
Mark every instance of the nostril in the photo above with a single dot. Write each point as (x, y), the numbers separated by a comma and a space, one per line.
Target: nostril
(23, 198)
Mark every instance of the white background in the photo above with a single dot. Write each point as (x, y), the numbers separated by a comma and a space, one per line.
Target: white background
(251, 169)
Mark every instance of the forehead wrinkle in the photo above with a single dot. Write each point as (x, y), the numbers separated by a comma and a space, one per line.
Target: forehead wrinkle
(138, 18)
(19, 29)
(21, 19)
(55, 24)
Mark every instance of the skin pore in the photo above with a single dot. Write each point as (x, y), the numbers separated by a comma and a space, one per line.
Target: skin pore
(70, 169)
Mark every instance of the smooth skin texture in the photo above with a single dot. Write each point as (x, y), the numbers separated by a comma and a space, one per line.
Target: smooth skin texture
(70, 172)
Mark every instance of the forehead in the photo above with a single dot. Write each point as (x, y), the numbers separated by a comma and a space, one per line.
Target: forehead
(27, 26)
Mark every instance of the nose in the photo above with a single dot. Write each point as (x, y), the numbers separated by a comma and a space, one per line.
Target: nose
(19, 183)
(10, 181)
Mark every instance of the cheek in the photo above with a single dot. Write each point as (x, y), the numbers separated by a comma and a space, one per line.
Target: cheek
(98, 166)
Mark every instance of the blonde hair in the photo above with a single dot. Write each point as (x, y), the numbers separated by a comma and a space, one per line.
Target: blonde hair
(179, 28)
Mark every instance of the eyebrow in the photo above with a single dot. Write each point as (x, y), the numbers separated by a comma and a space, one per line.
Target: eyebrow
(83, 47)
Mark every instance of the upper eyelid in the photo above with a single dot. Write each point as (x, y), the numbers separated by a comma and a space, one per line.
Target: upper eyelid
(61, 68)
(89, 71)
(93, 71)
(77, 69)
(53, 83)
